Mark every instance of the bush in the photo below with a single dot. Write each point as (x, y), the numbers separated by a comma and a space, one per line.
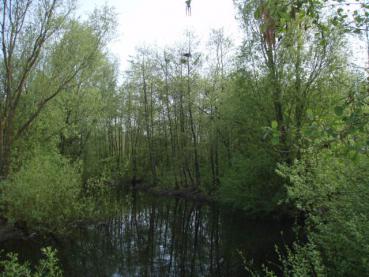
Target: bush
(251, 184)
(48, 266)
(44, 194)
(301, 260)
(333, 191)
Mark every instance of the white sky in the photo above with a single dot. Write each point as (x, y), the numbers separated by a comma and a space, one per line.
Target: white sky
(163, 22)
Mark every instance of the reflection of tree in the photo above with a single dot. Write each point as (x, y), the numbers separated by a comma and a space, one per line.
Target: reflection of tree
(161, 238)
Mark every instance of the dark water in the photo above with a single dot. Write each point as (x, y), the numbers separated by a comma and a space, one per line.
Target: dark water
(155, 236)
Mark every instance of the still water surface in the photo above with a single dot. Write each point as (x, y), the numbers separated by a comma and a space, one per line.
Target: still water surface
(157, 236)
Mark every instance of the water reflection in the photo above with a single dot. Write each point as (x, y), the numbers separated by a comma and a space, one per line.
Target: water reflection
(153, 236)
(168, 237)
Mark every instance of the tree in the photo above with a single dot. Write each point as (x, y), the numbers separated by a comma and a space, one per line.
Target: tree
(219, 48)
(25, 27)
(28, 29)
(294, 47)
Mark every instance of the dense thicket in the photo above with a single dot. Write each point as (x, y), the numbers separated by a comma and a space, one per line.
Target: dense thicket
(278, 126)
(57, 86)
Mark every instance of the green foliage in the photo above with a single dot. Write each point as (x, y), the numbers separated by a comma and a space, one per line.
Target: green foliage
(352, 17)
(344, 236)
(251, 183)
(44, 194)
(292, 99)
(47, 267)
(12, 267)
(332, 189)
(302, 261)
(47, 194)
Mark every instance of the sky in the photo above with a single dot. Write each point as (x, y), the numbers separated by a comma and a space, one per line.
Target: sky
(163, 22)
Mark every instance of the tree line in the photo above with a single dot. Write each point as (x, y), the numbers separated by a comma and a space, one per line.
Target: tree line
(278, 126)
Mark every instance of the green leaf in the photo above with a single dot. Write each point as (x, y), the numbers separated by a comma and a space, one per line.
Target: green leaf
(274, 124)
(310, 114)
(307, 132)
(257, 13)
(275, 140)
(338, 110)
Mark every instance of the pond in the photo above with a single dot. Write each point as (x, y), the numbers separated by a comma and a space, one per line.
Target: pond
(161, 236)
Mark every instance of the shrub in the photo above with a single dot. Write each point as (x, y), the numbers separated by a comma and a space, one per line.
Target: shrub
(301, 260)
(48, 266)
(251, 184)
(333, 191)
(44, 194)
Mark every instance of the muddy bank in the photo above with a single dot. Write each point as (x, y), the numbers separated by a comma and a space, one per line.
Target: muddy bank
(192, 194)
(187, 194)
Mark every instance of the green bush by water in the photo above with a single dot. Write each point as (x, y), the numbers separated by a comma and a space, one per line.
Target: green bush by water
(47, 266)
(332, 190)
(47, 195)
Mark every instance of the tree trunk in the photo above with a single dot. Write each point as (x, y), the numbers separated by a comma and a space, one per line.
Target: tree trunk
(6, 143)
(147, 126)
(284, 148)
(192, 126)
